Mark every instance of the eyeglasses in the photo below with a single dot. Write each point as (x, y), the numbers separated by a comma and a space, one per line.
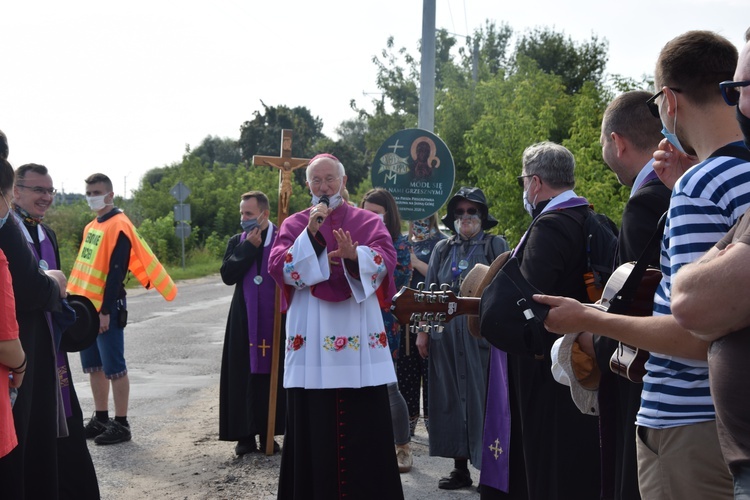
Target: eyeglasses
(460, 211)
(520, 179)
(317, 182)
(651, 103)
(39, 189)
(730, 92)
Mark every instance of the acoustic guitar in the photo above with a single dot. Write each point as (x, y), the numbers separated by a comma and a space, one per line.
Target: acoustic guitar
(419, 308)
(629, 361)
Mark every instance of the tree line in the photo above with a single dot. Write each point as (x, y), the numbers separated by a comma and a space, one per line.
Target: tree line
(496, 93)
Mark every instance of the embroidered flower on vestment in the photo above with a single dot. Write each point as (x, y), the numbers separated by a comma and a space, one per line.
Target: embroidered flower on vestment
(378, 340)
(295, 343)
(333, 343)
(378, 260)
(289, 269)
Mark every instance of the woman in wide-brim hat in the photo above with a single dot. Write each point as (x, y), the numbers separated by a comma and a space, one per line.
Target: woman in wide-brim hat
(458, 361)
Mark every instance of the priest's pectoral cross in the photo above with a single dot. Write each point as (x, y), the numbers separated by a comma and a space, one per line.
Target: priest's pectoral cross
(495, 447)
(286, 165)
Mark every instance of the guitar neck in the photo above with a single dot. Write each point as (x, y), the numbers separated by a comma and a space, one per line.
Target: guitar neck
(411, 305)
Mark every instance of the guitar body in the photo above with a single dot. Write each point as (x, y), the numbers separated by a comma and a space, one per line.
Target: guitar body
(629, 361)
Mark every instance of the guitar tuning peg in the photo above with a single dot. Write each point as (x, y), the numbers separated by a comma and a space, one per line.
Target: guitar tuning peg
(429, 316)
(420, 286)
(418, 297)
(414, 328)
(439, 328)
(445, 287)
(432, 298)
(443, 298)
(416, 317)
(433, 287)
(441, 317)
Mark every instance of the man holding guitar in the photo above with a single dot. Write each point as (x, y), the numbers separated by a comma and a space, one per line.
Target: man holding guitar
(629, 136)
(677, 442)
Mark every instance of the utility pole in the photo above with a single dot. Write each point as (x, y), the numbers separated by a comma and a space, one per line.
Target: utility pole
(426, 119)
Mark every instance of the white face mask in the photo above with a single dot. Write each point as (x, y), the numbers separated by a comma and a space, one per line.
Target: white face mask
(333, 201)
(476, 224)
(381, 217)
(96, 203)
(527, 204)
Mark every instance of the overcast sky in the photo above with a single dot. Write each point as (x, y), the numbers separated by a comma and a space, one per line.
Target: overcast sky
(95, 86)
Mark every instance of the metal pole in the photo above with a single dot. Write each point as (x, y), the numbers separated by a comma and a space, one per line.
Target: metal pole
(426, 119)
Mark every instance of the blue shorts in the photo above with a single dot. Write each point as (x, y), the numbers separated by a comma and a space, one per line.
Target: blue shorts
(108, 352)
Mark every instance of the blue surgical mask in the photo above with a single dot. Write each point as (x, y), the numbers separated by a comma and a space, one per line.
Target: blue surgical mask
(672, 136)
(249, 225)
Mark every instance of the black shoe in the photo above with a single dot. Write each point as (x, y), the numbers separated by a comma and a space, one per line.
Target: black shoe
(458, 478)
(115, 433)
(244, 446)
(94, 427)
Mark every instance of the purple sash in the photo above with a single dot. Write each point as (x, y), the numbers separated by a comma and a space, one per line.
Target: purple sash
(63, 371)
(496, 437)
(259, 306)
(651, 176)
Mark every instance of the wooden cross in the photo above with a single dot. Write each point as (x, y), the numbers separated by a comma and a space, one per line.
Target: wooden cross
(496, 448)
(263, 346)
(286, 165)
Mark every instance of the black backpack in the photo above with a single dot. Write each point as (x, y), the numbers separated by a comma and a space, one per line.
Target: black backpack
(600, 234)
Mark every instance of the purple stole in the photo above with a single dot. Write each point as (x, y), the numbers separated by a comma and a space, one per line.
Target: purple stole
(260, 306)
(496, 438)
(651, 176)
(63, 371)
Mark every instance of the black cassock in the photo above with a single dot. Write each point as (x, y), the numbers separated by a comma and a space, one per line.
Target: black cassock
(243, 396)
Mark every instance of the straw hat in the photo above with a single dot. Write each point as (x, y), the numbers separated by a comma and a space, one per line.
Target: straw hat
(573, 367)
(476, 281)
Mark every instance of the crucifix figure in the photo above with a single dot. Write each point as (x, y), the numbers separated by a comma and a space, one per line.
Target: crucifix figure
(286, 165)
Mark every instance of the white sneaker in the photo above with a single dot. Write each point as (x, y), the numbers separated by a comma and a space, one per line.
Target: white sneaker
(404, 458)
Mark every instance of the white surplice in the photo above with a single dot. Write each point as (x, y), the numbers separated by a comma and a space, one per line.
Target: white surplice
(334, 344)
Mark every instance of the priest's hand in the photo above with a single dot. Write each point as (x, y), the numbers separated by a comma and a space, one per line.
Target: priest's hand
(61, 280)
(254, 237)
(318, 215)
(347, 249)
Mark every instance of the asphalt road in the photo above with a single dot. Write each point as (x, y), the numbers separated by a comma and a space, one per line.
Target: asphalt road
(173, 351)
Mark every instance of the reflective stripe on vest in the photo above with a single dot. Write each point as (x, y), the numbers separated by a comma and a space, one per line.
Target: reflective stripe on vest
(89, 274)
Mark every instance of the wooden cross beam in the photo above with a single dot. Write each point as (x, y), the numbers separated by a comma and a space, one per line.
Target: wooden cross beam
(286, 165)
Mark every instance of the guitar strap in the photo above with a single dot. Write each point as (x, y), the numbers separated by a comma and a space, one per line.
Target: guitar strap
(622, 300)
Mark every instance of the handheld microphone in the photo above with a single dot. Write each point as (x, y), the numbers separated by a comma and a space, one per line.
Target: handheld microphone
(324, 200)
